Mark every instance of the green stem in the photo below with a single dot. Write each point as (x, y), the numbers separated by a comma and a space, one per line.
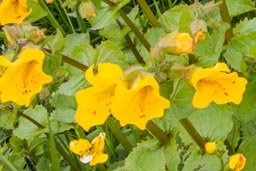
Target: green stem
(131, 25)
(51, 18)
(115, 128)
(70, 61)
(80, 21)
(148, 13)
(68, 18)
(158, 133)
(7, 163)
(226, 18)
(193, 133)
(160, 15)
(131, 45)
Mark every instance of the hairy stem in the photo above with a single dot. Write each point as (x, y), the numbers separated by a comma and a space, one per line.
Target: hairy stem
(226, 18)
(158, 133)
(131, 25)
(131, 45)
(148, 13)
(115, 128)
(193, 133)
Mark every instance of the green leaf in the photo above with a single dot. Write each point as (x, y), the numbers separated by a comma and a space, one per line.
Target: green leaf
(65, 107)
(146, 156)
(52, 64)
(37, 11)
(57, 42)
(172, 156)
(239, 47)
(28, 130)
(208, 51)
(244, 112)
(214, 122)
(178, 18)
(245, 26)
(202, 162)
(248, 148)
(75, 40)
(7, 119)
(110, 52)
(238, 7)
(181, 99)
(72, 85)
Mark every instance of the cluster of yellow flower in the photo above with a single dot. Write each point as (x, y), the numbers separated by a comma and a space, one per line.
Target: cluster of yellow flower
(133, 102)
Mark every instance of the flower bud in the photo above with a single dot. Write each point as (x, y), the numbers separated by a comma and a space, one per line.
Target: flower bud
(87, 9)
(210, 147)
(184, 43)
(237, 162)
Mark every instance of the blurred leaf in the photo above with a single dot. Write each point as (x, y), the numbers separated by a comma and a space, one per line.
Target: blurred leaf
(75, 40)
(197, 161)
(244, 112)
(238, 48)
(245, 26)
(110, 52)
(28, 130)
(178, 18)
(72, 85)
(65, 107)
(146, 156)
(238, 7)
(208, 51)
(7, 119)
(37, 11)
(248, 148)
(181, 99)
(172, 156)
(214, 122)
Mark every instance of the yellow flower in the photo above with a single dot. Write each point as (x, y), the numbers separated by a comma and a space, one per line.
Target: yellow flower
(217, 84)
(13, 11)
(210, 147)
(140, 103)
(94, 103)
(91, 153)
(184, 43)
(237, 162)
(23, 78)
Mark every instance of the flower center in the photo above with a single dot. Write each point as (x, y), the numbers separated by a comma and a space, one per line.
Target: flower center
(214, 87)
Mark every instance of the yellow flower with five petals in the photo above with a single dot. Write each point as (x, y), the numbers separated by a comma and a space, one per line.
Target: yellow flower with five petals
(91, 153)
(13, 11)
(217, 84)
(140, 103)
(23, 78)
(94, 103)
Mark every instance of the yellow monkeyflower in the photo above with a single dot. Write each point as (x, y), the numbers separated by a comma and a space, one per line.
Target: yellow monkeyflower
(217, 84)
(13, 11)
(210, 147)
(237, 162)
(140, 103)
(91, 153)
(23, 78)
(94, 103)
(184, 43)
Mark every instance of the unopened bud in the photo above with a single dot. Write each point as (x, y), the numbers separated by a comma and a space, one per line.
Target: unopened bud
(87, 9)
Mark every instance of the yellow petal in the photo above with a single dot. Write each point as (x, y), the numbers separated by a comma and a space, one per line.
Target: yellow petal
(4, 62)
(79, 146)
(24, 78)
(13, 11)
(107, 74)
(97, 148)
(93, 106)
(222, 67)
(139, 104)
